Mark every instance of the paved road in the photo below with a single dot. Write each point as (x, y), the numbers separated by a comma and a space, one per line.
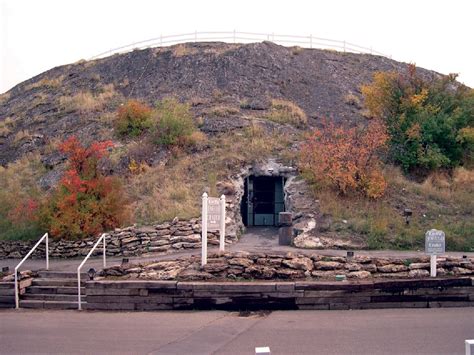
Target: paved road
(255, 240)
(403, 331)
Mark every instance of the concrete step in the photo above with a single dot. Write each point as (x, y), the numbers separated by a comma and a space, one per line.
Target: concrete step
(56, 282)
(51, 297)
(62, 290)
(48, 304)
(45, 274)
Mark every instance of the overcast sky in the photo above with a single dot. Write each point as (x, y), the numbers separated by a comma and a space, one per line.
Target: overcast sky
(36, 35)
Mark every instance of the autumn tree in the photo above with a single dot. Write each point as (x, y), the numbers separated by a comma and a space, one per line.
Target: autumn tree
(86, 202)
(429, 122)
(345, 158)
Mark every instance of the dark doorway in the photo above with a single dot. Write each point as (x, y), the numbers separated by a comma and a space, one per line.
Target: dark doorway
(263, 200)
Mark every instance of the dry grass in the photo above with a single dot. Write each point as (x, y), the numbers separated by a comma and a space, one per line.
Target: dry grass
(6, 126)
(52, 145)
(166, 191)
(367, 114)
(296, 50)
(181, 50)
(21, 136)
(287, 112)
(352, 100)
(441, 202)
(46, 83)
(18, 182)
(4, 97)
(86, 101)
(223, 111)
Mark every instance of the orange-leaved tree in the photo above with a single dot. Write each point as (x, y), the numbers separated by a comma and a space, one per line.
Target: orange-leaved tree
(345, 158)
(86, 202)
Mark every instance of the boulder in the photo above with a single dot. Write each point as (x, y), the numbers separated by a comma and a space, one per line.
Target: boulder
(240, 262)
(369, 267)
(462, 271)
(414, 266)
(299, 263)
(162, 265)
(260, 271)
(215, 267)
(391, 268)
(289, 273)
(418, 273)
(192, 275)
(353, 267)
(359, 275)
(328, 265)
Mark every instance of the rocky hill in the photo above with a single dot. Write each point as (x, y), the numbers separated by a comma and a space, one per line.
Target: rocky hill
(235, 93)
(78, 98)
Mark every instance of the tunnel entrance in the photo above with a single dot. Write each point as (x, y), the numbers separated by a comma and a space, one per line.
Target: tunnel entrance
(263, 200)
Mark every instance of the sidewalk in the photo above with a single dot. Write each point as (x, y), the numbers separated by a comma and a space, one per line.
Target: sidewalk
(256, 240)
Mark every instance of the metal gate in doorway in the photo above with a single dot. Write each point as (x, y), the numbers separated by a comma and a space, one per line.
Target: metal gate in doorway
(263, 200)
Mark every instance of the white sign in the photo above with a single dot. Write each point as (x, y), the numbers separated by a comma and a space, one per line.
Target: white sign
(213, 218)
(435, 242)
(213, 213)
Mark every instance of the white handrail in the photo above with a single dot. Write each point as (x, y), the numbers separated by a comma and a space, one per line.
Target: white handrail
(309, 41)
(102, 238)
(17, 295)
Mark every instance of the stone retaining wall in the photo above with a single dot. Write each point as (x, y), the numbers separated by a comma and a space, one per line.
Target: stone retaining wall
(172, 295)
(164, 238)
(293, 266)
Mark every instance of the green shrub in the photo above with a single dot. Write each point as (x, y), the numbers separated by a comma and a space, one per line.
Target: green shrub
(173, 123)
(133, 119)
(429, 123)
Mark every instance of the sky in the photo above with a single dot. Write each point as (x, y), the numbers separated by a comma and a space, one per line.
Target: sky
(36, 35)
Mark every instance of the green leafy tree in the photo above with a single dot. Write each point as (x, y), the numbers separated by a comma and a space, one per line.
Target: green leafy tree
(428, 121)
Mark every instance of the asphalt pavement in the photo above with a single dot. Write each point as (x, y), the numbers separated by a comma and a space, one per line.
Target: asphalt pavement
(390, 331)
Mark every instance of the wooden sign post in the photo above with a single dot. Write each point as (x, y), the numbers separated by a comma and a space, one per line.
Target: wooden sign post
(213, 219)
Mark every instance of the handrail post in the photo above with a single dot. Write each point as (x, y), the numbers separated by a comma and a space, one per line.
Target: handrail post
(17, 296)
(104, 255)
(79, 305)
(47, 252)
(101, 239)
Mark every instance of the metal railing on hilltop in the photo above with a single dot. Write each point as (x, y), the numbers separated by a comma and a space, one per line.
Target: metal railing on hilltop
(308, 41)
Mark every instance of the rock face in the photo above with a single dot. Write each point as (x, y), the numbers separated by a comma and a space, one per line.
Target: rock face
(251, 74)
(161, 238)
(290, 266)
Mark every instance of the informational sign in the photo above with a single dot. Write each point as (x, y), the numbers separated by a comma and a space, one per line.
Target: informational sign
(435, 242)
(213, 219)
(213, 213)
